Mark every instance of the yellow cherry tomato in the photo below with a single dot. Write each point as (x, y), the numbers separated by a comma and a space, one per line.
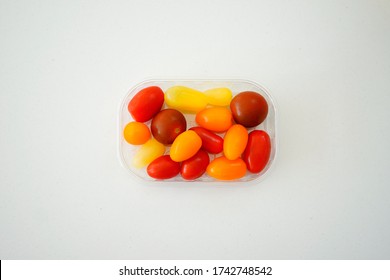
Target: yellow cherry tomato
(185, 99)
(218, 119)
(219, 96)
(148, 152)
(224, 169)
(235, 141)
(185, 146)
(136, 133)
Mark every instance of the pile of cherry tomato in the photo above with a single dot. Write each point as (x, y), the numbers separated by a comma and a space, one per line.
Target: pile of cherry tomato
(223, 123)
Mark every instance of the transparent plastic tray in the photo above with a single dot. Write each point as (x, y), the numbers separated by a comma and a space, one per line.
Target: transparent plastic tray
(127, 151)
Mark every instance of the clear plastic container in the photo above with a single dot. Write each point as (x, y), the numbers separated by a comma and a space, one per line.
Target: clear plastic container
(127, 151)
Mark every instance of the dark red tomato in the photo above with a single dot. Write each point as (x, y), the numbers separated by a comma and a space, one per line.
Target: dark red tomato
(146, 103)
(195, 166)
(211, 142)
(167, 125)
(257, 151)
(163, 168)
(249, 108)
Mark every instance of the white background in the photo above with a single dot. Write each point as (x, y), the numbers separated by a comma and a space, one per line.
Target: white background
(66, 65)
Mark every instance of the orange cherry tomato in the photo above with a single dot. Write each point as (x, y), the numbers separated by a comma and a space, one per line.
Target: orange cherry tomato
(185, 146)
(235, 141)
(217, 119)
(224, 169)
(136, 133)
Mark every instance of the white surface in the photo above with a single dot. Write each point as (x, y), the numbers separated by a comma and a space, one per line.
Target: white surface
(66, 65)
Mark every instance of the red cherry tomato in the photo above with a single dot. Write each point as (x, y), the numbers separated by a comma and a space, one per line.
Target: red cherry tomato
(146, 103)
(211, 142)
(249, 108)
(167, 125)
(257, 151)
(163, 168)
(194, 167)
